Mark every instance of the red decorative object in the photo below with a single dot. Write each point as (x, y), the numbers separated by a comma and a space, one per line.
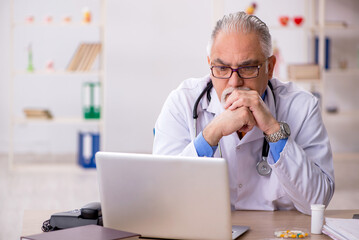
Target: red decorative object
(48, 19)
(284, 20)
(298, 20)
(30, 19)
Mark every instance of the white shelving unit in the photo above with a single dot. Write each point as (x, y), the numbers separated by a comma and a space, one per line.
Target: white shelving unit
(345, 73)
(321, 27)
(18, 74)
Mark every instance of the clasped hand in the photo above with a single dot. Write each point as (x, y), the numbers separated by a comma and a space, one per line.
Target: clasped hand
(243, 110)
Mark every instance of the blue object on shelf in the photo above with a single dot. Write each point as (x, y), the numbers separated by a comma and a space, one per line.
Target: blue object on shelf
(326, 52)
(89, 145)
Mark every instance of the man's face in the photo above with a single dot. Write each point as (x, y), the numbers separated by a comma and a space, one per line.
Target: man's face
(235, 50)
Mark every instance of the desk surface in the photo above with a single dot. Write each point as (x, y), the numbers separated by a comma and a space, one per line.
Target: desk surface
(262, 223)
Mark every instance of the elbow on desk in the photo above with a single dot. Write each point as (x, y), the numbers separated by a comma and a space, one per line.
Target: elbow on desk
(323, 198)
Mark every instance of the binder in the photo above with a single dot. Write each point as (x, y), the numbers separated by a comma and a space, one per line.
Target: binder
(88, 146)
(326, 53)
(91, 100)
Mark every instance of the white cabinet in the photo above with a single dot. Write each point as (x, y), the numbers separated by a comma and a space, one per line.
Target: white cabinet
(40, 78)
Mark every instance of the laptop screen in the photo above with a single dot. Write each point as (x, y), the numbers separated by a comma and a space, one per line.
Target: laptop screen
(165, 196)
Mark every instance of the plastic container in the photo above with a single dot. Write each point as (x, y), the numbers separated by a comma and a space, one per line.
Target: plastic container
(317, 218)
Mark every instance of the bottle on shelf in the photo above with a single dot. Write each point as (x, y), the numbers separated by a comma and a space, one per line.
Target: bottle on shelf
(30, 66)
(86, 15)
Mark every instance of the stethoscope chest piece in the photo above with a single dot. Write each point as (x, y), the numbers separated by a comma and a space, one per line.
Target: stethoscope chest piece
(263, 167)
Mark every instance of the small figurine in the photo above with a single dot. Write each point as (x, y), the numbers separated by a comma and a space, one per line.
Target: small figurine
(48, 19)
(250, 10)
(67, 19)
(50, 66)
(86, 15)
(30, 19)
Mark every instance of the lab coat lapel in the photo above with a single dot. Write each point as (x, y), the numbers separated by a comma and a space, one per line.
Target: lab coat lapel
(214, 106)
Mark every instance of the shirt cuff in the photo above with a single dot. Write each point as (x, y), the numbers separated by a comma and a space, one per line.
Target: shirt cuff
(276, 148)
(202, 147)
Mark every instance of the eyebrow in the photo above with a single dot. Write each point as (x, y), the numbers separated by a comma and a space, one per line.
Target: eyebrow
(249, 62)
(244, 63)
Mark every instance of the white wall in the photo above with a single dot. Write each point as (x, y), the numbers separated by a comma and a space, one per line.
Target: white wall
(4, 74)
(150, 47)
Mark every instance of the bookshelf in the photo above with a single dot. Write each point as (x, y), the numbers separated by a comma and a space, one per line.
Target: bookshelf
(340, 80)
(340, 28)
(54, 86)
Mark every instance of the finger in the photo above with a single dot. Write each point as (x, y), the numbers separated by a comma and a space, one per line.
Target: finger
(234, 96)
(251, 121)
(235, 105)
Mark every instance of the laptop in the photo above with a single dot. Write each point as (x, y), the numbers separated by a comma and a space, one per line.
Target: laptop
(168, 197)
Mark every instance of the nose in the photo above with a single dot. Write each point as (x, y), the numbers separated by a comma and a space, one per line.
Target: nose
(235, 80)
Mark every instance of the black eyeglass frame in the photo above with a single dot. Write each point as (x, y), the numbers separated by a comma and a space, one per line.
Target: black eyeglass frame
(236, 70)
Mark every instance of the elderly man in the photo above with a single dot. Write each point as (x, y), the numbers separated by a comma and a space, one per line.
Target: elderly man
(271, 133)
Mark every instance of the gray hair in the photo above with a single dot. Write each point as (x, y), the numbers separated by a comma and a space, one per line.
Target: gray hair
(241, 21)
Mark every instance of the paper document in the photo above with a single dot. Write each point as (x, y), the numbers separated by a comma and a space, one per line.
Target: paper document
(339, 228)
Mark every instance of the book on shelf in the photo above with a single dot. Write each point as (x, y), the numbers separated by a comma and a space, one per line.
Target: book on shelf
(341, 229)
(37, 113)
(84, 57)
(93, 232)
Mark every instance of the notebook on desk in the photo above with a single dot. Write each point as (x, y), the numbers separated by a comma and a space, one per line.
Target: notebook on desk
(166, 196)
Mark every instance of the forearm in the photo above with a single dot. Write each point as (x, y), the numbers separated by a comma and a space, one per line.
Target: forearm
(211, 133)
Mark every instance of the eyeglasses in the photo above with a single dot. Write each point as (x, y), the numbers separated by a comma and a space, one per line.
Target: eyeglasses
(225, 72)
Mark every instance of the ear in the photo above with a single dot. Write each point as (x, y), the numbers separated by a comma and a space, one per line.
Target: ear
(271, 63)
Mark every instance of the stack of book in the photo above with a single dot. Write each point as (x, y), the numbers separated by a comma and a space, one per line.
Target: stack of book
(341, 229)
(37, 113)
(84, 57)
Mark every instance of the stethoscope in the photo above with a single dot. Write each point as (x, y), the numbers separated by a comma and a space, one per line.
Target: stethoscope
(263, 167)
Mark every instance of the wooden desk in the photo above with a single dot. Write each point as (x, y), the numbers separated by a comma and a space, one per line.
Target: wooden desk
(262, 223)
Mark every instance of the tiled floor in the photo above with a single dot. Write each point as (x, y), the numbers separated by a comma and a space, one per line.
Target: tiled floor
(69, 187)
(47, 187)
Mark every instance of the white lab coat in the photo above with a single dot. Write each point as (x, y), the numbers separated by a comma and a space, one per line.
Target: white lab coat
(302, 176)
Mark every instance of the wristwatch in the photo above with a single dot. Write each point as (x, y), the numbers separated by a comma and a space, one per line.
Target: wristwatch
(284, 132)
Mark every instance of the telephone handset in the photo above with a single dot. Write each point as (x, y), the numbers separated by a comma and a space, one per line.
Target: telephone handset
(88, 214)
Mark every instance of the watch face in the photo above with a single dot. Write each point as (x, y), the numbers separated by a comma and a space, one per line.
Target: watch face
(286, 129)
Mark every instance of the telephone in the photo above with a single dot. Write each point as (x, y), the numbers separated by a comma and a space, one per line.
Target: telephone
(88, 214)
